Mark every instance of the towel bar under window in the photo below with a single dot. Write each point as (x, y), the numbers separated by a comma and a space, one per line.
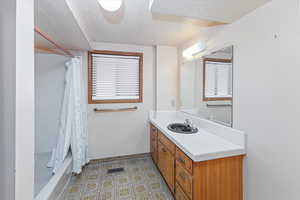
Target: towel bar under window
(116, 110)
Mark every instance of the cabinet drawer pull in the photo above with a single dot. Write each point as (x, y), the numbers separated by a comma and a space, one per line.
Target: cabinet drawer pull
(181, 160)
(164, 150)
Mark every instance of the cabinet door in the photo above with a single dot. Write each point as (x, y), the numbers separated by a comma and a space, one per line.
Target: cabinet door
(180, 195)
(166, 165)
(153, 143)
(153, 150)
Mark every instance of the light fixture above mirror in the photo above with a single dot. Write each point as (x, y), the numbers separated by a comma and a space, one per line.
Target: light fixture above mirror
(194, 50)
(111, 5)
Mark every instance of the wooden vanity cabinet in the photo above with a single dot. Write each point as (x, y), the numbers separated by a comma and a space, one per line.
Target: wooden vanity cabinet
(218, 179)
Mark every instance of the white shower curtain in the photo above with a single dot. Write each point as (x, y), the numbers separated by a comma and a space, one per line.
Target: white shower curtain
(73, 120)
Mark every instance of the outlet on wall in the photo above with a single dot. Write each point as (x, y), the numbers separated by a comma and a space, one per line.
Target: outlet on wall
(173, 103)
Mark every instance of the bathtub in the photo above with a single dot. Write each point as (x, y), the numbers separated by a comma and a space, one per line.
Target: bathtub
(57, 183)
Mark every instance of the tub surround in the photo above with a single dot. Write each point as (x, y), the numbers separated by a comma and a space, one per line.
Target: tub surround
(42, 174)
(56, 186)
(212, 141)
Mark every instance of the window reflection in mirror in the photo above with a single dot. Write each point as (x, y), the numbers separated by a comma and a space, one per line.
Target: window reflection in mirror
(206, 86)
(217, 78)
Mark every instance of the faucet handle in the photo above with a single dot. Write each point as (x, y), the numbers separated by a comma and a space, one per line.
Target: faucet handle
(187, 121)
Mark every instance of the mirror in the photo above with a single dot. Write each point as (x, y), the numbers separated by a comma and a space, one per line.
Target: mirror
(206, 86)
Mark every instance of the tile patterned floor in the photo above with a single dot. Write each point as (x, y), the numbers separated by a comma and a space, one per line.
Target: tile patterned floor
(139, 181)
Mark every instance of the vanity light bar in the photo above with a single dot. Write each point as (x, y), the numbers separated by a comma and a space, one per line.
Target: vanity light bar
(194, 50)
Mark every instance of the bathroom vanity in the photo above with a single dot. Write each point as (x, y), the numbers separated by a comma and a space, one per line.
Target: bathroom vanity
(201, 166)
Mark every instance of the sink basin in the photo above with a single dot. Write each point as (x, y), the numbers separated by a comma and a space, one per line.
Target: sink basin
(182, 128)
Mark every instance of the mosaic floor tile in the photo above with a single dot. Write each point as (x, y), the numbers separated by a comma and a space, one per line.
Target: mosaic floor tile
(160, 196)
(107, 195)
(140, 180)
(90, 197)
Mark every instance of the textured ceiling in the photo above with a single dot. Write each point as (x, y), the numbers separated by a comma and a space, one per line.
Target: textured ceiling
(226, 11)
(135, 24)
(77, 23)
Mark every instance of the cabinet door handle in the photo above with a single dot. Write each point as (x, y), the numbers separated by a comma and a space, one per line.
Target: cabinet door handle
(164, 150)
(181, 160)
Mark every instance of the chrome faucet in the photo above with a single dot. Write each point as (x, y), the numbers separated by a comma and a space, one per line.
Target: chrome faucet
(188, 123)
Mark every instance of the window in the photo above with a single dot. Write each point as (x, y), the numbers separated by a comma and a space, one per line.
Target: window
(217, 79)
(115, 77)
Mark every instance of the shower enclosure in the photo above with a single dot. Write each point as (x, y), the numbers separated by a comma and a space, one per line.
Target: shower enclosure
(60, 116)
(49, 91)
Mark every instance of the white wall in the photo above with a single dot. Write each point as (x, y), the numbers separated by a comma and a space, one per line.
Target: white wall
(24, 99)
(187, 85)
(7, 97)
(266, 96)
(123, 133)
(17, 100)
(49, 91)
(166, 77)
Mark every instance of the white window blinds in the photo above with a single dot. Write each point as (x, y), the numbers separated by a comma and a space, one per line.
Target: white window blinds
(218, 79)
(115, 77)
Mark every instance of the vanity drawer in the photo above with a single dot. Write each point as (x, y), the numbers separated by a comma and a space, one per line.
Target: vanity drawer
(184, 160)
(180, 194)
(184, 179)
(165, 141)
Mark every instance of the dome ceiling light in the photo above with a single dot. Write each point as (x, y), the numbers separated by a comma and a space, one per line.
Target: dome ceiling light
(111, 5)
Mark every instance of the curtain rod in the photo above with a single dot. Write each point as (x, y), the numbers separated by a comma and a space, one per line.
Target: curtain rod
(47, 37)
(51, 51)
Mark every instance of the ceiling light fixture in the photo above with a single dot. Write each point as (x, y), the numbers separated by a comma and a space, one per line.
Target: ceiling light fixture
(111, 5)
(194, 50)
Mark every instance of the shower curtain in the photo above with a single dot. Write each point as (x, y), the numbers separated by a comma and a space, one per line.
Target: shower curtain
(73, 120)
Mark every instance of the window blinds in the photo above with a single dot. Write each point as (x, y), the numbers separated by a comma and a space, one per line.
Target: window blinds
(115, 77)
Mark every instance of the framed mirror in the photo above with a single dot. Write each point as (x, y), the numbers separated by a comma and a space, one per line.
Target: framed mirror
(206, 86)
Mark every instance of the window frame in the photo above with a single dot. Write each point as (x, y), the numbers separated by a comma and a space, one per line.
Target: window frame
(114, 53)
(204, 79)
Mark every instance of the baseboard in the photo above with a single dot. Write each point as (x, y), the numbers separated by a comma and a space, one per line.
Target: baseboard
(141, 155)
